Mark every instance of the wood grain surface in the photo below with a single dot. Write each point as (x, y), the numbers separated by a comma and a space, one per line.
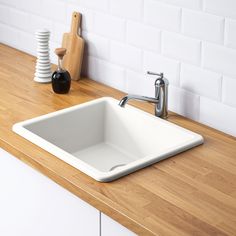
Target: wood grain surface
(74, 45)
(193, 193)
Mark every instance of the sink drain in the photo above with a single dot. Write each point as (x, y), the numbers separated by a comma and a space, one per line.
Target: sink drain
(116, 166)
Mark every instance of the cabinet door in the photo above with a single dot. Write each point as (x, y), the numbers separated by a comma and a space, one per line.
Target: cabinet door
(33, 205)
(110, 227)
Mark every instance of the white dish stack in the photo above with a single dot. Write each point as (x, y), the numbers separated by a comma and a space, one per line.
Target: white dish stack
(43, 66)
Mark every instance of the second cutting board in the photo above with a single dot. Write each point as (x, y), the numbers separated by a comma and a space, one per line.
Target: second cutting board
(74, 45)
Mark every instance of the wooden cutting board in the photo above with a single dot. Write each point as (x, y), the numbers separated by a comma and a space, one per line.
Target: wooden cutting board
(74, 45)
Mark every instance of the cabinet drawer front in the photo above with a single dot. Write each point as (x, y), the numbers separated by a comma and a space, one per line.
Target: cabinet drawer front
(32, 204)
(110, 227)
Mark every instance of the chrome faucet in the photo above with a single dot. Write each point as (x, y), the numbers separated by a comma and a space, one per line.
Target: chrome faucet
(161, 96)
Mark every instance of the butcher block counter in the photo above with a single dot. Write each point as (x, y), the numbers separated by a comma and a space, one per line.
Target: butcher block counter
(192, 193)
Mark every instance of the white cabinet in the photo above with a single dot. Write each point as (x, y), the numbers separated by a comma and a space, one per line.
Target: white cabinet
(110, 227)
(33, 205)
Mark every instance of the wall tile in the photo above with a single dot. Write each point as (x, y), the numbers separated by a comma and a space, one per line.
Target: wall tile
(58, 31)
(12, 3)
(161, 15)
(95, 4)
(180, 47)
(184, 102)
(199, 81)
(127, 56)
(229, 91)
(218, 115)
(139, 83)
(9, 35)
(109, 26)
(131, 9)
(19, 19)
(4, 13)
(96, 46)
(37, 22)
(203, 26)
(27, 43)
(194, 4)
(104, 72)
(219, 59)
(230, 33)
(26, 5)
(221, 7)
(143, 36)
(54, 9)
(157, 63)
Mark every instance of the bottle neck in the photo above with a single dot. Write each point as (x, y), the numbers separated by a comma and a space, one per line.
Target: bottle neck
(60, 66)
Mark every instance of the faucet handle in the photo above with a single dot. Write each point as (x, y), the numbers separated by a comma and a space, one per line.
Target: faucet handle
(161, 75)
(160, 81)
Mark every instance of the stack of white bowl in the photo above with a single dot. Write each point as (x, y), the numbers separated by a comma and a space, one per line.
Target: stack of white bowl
(43, 66)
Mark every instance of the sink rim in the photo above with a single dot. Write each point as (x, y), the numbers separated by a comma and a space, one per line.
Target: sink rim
(101, 176)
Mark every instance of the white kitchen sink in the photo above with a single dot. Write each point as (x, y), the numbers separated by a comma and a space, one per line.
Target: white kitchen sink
(106, 141)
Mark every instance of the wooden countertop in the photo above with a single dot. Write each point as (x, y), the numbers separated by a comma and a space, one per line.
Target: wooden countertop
(193, 193)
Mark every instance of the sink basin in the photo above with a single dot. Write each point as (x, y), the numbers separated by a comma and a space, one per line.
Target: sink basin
(106, 141)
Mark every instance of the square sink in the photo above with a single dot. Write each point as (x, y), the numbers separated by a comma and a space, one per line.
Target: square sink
(106, 141)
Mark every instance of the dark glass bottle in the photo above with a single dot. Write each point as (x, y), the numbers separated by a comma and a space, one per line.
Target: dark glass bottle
(61, 79)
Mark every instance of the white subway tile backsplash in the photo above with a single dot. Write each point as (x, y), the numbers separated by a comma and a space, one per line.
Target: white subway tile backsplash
(125, 55)
(9, 35)
(4, 13)
(143, 36)
(12, 3)
(19, 19)
(27, 43)
(194, 4)
(229, 91)
(57, 32)
(26, 5)
(193, 42)
(105, 72)
(230, 33)
(109, 26)
(54, 9)
(203, 26)
(96, 46)
(138, 83)
(184, 102)
(218, 115)
(158, 63)
(131, 9)
(199, 81)
(37, 22)
(221, 7)
(181, 47)
(95, 4)
(219, 58)
(162, 15)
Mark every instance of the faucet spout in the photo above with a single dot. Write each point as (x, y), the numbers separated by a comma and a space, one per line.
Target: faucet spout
(128, 97)
(161, 96)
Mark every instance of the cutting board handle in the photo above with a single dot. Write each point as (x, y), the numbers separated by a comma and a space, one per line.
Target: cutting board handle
(75, 23)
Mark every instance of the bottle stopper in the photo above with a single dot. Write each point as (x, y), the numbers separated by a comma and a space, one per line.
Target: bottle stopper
(60, 52)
